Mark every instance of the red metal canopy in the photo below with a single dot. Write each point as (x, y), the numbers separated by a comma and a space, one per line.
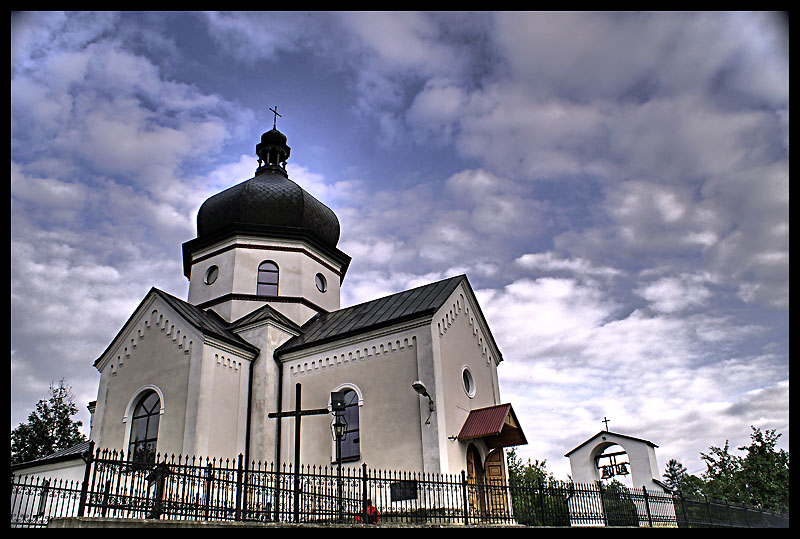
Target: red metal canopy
(497, 425)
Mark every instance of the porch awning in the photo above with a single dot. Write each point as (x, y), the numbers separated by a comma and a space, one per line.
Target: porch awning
(497, 425)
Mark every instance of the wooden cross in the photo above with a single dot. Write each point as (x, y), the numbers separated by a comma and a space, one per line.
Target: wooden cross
(606, 422)
(297, 413)
(275, 120)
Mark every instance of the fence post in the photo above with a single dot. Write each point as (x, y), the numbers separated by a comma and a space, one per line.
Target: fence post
(683, 510)
(209, 480)
(40, 511)
(466, 497)
(85, 484)
(602, 502)
(238, 511)
(708, 510)
(364, 492)
(647, 506)
(541, 501)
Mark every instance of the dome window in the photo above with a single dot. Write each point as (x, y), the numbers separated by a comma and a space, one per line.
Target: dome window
(322, 283)
(267, 279)
(211, 275)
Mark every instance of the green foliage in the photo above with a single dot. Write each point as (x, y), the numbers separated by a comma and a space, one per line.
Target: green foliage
(618, 504)
(764, 472)
(722, 481)
(538, 498)
(675, 475)
(760, 478)
(49, 428)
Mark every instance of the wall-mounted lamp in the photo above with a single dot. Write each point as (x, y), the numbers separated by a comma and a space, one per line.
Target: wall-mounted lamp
(420, 388)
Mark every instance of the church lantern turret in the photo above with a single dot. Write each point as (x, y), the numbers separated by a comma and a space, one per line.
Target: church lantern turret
(266, 240)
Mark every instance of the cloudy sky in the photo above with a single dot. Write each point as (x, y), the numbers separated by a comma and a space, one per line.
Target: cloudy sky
(614, 185)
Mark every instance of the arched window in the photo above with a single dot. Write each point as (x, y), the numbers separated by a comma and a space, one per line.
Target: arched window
(351, 444)
(267, 279)
(144, 428)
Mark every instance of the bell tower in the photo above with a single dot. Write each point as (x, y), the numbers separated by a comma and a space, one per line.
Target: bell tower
(266, 241)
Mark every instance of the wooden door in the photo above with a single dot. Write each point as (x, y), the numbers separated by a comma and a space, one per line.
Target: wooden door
(497, 493)
(475, 480)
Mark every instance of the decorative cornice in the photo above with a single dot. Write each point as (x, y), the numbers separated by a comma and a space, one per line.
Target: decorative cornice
(355, 340)
(225, 347)
(351, 353)
(474, 318)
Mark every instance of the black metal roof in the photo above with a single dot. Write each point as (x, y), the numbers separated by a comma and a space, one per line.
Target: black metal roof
(75, 452)
(269, 199)
(406, 305)
(264, 313)
(324, 327)
(207, 321)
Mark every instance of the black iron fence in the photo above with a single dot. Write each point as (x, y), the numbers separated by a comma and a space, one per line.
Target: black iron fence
(180, 488)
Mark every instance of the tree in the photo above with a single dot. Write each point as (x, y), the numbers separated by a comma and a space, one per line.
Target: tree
(49, 428)
(721, 476)
(537, 497)
(674, 475)
(759, 479)
(529, 473)
(676, 478)
(764, 472)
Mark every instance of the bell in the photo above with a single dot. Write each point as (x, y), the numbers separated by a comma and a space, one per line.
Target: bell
(622, 469)
(607, 472)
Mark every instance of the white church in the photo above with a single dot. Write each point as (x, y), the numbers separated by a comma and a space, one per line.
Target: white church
(212, 375)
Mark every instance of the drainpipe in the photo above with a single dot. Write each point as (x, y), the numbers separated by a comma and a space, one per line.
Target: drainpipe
(279, 407)
(249, 411)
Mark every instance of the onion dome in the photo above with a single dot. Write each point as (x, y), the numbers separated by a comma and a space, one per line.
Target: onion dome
(270, 203)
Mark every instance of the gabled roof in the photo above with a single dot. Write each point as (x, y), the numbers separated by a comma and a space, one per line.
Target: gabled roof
(382, 312)
(497, 425)
(604, 433)
(265, 312)
(207, 322)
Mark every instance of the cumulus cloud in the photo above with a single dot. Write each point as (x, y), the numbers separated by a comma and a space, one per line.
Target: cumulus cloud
(617, 194)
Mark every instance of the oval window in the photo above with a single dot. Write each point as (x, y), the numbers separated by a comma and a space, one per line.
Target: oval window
(211, 274)
(322, 283)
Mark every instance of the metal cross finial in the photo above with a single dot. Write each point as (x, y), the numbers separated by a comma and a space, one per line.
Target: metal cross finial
(605, 420)
(275, 120)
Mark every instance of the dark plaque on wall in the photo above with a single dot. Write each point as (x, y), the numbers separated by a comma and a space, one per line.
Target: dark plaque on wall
(403, 490)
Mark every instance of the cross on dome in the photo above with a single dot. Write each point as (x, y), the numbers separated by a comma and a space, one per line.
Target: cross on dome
(275, 119)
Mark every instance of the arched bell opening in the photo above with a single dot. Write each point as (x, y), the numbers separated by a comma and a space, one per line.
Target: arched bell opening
(613, 464)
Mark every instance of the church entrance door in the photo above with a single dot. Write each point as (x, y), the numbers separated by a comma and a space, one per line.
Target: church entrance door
(496, 498)
(475, 482)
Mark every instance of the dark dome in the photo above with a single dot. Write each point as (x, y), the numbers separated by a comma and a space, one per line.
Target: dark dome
(273, 136)
(272, 203)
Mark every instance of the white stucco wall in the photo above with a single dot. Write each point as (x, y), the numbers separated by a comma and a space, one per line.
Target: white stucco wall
(202, 386)
(461, 342)
(381, 367)
(68, 470)
(298, 264)
(155, 350)
(642, 457)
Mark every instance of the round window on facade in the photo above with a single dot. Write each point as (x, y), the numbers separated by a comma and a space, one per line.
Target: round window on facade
(468, 381)
(211, 274)
(322, 283)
